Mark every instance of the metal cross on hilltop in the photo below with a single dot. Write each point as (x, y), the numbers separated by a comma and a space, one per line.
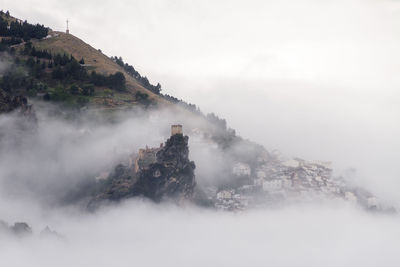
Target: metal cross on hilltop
(67, 27)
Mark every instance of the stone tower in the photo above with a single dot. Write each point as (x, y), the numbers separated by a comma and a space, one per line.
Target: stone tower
(176, 129)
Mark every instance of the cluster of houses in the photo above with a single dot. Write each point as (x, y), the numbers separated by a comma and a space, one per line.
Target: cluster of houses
(276, 181)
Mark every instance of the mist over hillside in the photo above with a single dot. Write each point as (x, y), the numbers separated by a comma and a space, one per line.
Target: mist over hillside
(328, 69)
(303, 171)
(45, 167)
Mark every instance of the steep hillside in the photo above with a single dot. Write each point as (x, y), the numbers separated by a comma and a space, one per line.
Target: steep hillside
(59, 67)
(63, 68)
(39, 63)
(60, 43)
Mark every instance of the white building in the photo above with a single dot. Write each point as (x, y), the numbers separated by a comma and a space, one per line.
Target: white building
(241, 169)
(225, 194)
(318, 178)
(261, 174)
(372, 202)
(287, 183)
(349, 196)
(291, 163)
(272, 185)
(102, 176)
(324, 164)
(258, 181)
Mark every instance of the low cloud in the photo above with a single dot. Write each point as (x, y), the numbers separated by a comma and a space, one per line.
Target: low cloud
(44, 166)
(56, 162)
(145, 234)
(315, 79)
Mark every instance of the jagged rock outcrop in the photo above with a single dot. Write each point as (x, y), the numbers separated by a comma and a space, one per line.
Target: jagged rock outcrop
(172, 175)
(19, 229)
(22, 229)
(48, 233)
(169, 174)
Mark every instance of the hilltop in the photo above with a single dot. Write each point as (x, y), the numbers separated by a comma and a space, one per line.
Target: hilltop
(63, 66)
(59, 67)
(62, 43)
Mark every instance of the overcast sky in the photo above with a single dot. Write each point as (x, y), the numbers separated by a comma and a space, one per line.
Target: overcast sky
(315, 79)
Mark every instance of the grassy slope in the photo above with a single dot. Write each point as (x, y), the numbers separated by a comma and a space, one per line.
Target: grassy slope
(61, 42)
(67, 43)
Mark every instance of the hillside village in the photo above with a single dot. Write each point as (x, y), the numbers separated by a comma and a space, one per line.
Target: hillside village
(268, 182)
(274, 182)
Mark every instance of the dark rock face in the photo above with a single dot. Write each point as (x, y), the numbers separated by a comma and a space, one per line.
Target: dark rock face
(17, 103)
(170, 176)
(19, 229)
(21, 124)
(22, 230)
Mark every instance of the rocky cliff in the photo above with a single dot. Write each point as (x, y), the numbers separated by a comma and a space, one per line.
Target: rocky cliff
(172, 175)
(169, 175)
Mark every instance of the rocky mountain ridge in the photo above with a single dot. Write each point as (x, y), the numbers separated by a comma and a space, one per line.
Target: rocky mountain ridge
(23, 230)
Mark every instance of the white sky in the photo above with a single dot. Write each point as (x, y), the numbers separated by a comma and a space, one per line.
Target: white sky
(313, 78)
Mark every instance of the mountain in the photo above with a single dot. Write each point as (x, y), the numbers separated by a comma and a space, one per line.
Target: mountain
(61, 69)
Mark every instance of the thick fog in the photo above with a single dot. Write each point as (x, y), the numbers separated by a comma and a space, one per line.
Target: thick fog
(143, 234)
(315, 79)
(56, 161)
(39, 169)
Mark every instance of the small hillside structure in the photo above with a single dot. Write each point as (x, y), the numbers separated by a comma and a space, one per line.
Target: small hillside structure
(67, 31)
(241, 169)
(176, 129)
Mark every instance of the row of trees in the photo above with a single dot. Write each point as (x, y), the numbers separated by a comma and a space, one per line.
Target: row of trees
(74, 70)
(6, 45)
(72, 96)
(30, 50)
(22, 30)
(67, 67)
(11, 41)
(191, 107)
(86, 90)
(56, 60)
(13, 78)
(135, 74)
(154, 88)
(115, 81)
